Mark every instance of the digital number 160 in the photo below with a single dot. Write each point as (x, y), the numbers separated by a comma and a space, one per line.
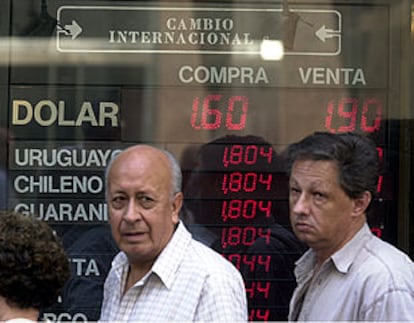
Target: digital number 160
(208, 114)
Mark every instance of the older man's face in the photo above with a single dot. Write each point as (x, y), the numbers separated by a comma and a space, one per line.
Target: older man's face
(142, 211)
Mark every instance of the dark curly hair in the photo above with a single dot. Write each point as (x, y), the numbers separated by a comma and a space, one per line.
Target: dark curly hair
(354, 153)
(33, 263)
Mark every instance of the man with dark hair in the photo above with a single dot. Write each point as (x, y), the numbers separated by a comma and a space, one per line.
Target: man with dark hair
(33, 266)
(348, 274)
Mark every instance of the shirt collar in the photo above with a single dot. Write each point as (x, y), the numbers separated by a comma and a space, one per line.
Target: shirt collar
(173, 254)
(343, 258)
(167, 263)
(305, 266)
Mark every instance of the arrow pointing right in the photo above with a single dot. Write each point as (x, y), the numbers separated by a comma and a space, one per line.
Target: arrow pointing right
(74, 29)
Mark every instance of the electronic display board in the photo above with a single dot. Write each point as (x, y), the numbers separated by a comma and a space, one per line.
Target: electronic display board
(193, 78)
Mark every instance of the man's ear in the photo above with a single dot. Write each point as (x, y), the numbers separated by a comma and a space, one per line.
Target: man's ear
(361, 204)
(176, 206)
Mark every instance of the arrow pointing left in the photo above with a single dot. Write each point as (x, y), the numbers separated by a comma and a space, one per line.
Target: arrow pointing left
(323, 33)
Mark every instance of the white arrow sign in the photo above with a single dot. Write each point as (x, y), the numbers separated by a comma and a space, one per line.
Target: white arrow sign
(73, 29)
(98, 35)
(323, 33)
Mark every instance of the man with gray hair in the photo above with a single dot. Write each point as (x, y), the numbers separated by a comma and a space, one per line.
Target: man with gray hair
(161, 272)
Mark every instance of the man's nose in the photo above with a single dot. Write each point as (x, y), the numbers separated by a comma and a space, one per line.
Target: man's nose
(302, 204)
(132, 212)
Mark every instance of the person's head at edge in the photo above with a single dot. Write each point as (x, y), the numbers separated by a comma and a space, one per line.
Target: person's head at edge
(33, 266)
(144, 200)
(332, 182)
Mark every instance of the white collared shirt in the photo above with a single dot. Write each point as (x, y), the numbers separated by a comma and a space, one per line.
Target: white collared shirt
(367, 280)
(188, 282)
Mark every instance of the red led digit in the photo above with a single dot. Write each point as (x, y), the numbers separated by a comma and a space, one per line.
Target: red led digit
(379, 184)
(265, 206)
(264, 233)
(235, 182)
(209, 112)
(257, 287)
(249, 236)
(264, 260)
(380, 178)
(258, 314)
(250, 155)
(249, 261)
(264, 288)
(225, 159)
(194, 114)
(378, 114)
(250, 181)
(263, 179)
(267, 153)
(328, 119)
(224, 238)
(348, 114)
(224, 186)
(250, 287)
(241, 124)
(249, 209)
(380, 153)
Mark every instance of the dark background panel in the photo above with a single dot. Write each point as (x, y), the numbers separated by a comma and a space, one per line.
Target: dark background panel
(4, 138)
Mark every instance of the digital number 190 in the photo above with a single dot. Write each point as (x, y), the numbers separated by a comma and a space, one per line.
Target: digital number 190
(348, 110)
